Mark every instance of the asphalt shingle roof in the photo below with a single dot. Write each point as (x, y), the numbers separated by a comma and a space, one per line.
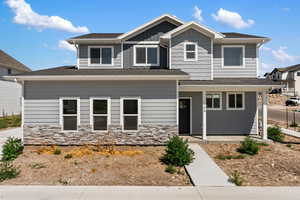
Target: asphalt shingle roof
(231, 81)
(9, 62)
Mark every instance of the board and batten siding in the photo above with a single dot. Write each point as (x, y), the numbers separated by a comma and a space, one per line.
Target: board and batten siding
(199, 69)
(83, 59)
(158, 99)
(250, 69)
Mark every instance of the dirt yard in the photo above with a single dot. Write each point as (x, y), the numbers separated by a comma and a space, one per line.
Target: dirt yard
(275, 165)
(126, 166)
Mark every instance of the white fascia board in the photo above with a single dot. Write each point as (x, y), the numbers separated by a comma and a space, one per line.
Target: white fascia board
(93, 41)
(242, 40)
(149, 25)
(99, 77)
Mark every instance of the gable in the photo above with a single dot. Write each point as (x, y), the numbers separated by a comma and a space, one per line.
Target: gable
(154, 33)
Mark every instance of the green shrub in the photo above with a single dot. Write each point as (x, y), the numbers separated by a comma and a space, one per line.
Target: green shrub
(275, 133)
(229, 157)
(3, 123)
(249, 146)
(12, 148)
(68, 156)
(8, 171)
(178, 152)
(236, 178)
(57, 151)
(170, 169)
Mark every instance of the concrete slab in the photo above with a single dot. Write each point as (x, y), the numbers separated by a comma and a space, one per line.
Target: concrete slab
(204, 171)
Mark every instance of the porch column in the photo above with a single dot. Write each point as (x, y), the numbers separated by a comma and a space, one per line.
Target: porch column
(204, 137)
(264, 116)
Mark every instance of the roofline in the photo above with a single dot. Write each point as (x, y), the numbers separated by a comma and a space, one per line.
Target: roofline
(244, 40)
(97, 77)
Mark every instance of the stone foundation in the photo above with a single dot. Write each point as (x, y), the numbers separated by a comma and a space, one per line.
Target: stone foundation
(53, 135)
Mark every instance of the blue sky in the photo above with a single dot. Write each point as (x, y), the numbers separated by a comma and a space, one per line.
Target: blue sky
(32, 31)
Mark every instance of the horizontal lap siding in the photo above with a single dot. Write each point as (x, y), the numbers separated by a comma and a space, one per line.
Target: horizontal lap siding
(200, 69)
(250, 69)
(83, 56)
(158, 100)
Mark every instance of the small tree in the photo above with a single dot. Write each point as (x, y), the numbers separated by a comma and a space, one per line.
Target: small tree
(178, 152)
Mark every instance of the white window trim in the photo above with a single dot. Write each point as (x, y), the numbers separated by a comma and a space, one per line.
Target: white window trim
(222, 56)
(100, 47)
(139, 121)
(243, 101)
(146, 46)
(108, 115)
(196, 51)
(221, 99)
(61, 115)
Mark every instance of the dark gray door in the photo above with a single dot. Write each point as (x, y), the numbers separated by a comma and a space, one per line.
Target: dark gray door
(184, 116)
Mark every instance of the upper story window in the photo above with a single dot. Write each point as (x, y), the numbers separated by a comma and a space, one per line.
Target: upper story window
(190, 51)
(147, 55)
(100, 55)
(233, 56)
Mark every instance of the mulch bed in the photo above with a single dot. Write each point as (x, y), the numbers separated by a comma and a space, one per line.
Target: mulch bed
(40, 167)
(274, 165)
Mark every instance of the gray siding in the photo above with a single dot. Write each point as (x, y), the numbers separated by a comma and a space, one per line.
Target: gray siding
(154, 33)
(128, 50)
(83, 56)
(224, 122)
(200, 69)
(10, 97)
(250, 69)
(158, 99)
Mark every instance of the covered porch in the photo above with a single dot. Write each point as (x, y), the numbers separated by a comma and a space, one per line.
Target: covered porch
(223, 109)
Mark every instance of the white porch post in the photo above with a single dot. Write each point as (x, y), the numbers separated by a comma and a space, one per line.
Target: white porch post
(264, 115)
(204, 137)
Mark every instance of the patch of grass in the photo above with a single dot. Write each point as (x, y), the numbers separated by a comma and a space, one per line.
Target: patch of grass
(10, 121)
(236, 178)
(275, 134)
(37, 166)
(249, 146)
(68, 156)
(289, 145)
(178, 152)
(262, 144)
(229, 157)
(57, 151)
(8, 171)
(12, 148)
(170, 169)
(3, 123)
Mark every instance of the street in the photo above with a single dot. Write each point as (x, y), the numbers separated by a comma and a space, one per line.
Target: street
(278, 113)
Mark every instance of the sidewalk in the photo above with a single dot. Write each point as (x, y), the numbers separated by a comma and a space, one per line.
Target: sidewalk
(147, 193)
(204, 171)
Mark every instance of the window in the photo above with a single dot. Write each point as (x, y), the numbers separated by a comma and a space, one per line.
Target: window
(190, 51)
(9, 71)
(214, 101)
(146, 55)
(100, 113)
(100, 55)
(298, 73)
(233, 56)
(130, 113)
(235, 101)
(69, 113)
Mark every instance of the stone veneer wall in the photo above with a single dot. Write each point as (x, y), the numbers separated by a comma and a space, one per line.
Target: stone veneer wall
(52, 135)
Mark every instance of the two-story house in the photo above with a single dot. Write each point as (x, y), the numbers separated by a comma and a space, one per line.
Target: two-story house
(10, 91)
(164, 78)
(289, 77)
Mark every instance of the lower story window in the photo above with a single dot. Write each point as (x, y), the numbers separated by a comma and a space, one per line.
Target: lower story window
(235, 101)
(69, 118)
(130, 113)
(213, 101)
(100, 113)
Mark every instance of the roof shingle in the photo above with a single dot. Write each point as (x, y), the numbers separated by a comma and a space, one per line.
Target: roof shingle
(9, 62)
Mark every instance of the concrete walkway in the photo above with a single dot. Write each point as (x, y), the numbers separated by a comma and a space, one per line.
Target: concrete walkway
(147, 193)
(14, 132)
(204, 171)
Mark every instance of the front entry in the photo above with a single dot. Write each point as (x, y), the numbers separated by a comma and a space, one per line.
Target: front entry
(184, 116)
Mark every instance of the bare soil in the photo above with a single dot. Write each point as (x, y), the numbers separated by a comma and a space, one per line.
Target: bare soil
(142, 167)
(274, 165)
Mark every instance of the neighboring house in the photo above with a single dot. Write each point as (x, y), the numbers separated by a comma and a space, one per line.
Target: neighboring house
(161, 79)
(10, 91)
(289, 77)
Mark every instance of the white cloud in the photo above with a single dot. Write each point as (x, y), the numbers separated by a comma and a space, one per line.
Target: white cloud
(282, 56)
(197, 14)
(232, 19)
(286, 9)
(25, 15)
(65, 45)
(266, 49)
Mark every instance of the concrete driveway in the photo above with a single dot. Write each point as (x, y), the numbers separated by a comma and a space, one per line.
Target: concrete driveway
(15, 132)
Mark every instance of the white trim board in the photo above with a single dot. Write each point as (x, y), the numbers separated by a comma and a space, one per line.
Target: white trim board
(146, 58)
(100, 56)
(232, 67)
(139, 115)
(61, 115)
(185, 51)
